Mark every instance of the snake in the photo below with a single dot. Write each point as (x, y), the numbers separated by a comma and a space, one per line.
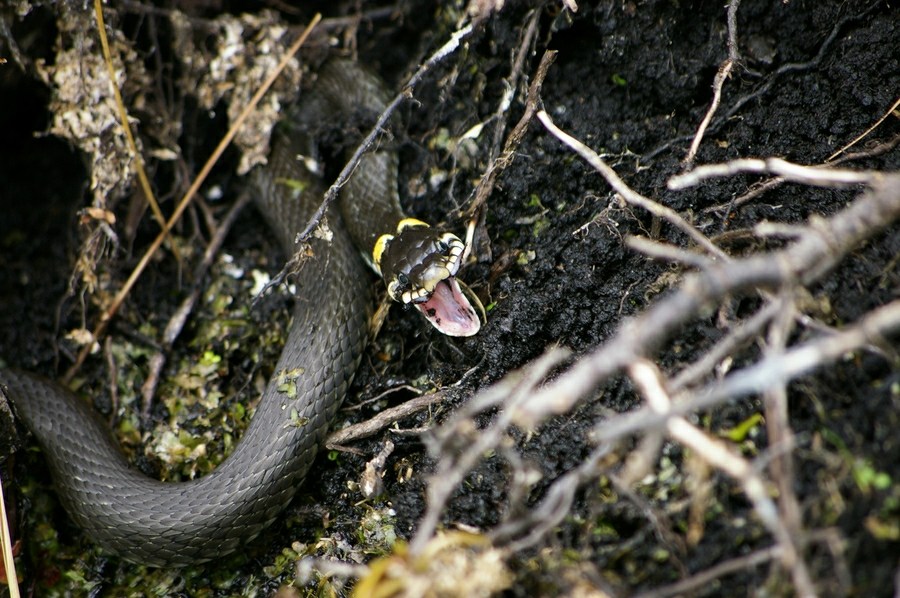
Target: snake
(174, 524)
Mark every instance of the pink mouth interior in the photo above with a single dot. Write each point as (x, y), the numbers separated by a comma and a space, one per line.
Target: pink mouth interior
(449, 311)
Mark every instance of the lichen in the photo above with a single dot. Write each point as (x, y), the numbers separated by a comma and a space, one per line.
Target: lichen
(248, 48)
(83, 103)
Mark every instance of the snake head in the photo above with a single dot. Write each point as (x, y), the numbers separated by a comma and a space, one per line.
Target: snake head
(419, 266)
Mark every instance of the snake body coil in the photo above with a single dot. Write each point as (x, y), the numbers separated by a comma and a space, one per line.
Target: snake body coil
(174, 524)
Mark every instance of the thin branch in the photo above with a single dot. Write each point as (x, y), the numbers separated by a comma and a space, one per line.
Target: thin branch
(765, 86)
(649, 381)
(532, 102)
(455, 464)
(178, 319)
(723, 73)
(862, 135)
(738, 336)
(375, 14)
(804, 261)
(512, 83)
(123, 117)
(780, 434)
(631, 196)
(812, 175)
(704, 578)
(9, 563)
(383, 420)
(775, 182)
(665, 252)
(553, 508)
(369, 140)
(764, 375)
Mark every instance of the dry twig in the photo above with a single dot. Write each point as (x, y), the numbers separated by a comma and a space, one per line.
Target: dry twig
(863, 135)
(369, 140)
(649, 382)
(703, 578)
(776, 181)
(816, 249)
(454, 465)
(811, 175)
(498, 165)
(723, 73)
(781, 436)
(628, 194)
(6, 546)
(123, 117)
(770, 80)
(766, 374)
(384, 419)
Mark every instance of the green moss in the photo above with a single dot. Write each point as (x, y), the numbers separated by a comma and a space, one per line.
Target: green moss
(287, 381)
(534, 201)
(539, 226)
(739, 432)
(283, 564)
(376, 531)
(868, 478)
(296, 186)
(297, 420)
(604, 531)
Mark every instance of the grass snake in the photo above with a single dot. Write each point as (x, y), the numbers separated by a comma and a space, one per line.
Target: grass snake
(174, 524)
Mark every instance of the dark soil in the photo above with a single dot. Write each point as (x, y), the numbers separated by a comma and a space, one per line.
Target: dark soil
(632, 80)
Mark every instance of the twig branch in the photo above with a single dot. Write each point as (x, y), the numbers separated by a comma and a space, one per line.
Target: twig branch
(775, 182)
(369, 140)
(665, 252)
(123, 118)
(532, 102)
(780, 434)
(862, 135)
(180, 317)
(812, 175)
(766, 374)
(723, 73)
(739, 335)
(384, 419)
(649, 381)
(628, 194)
(512, 83)
(454, 465)
(552, 509)
(699, 580)
(825, 243)
(765, 86)
(9, 563)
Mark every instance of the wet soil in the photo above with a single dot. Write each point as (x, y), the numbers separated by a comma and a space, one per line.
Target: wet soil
(632, 80)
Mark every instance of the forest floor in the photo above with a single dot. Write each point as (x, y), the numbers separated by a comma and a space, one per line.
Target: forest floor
(759, 306)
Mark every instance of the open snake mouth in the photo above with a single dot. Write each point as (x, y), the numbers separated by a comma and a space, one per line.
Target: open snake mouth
(449, 310)
(419, 265)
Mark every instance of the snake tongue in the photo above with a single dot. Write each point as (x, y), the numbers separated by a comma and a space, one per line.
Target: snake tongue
(449, 311)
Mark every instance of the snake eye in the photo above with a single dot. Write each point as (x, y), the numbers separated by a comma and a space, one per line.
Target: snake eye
(443, 247)
(403, 279)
